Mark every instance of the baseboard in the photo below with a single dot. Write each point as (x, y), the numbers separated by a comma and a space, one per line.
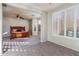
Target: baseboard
(64, 46)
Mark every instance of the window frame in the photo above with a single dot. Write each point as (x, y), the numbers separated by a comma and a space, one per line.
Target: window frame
(65, 19)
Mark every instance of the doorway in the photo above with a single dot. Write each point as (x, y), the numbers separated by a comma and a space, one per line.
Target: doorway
(19, 44)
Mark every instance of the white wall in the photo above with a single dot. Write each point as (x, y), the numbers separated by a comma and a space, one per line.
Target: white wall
(43, 20)
(49, 28)
(0, 28)
(44, 27)
(7, 22)
(71, 43)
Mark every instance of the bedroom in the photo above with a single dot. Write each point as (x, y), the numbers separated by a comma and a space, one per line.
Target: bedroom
(52, 38)
(20, 26)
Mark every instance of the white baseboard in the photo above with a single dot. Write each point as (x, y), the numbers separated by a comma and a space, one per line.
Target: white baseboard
(66, 42)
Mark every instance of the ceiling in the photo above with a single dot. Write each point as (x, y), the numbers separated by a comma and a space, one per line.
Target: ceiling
(11, 11)
(42, 6)
(28, 10)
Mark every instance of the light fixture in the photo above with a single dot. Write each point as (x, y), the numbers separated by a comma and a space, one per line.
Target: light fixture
(4, 5)
(49, 3)
(19, 17)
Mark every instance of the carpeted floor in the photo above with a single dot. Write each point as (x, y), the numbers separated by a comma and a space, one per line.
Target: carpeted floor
(33, 47)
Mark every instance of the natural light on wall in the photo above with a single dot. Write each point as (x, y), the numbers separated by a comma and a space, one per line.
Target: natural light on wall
(39, 22)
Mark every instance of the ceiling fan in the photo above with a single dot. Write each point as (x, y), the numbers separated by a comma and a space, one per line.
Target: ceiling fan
(19, 16)
(4, 5)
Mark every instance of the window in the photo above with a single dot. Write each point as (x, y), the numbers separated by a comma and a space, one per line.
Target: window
(55, 23)
(66, 22)
(77, 22)
(61, 23)
(70, 22)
